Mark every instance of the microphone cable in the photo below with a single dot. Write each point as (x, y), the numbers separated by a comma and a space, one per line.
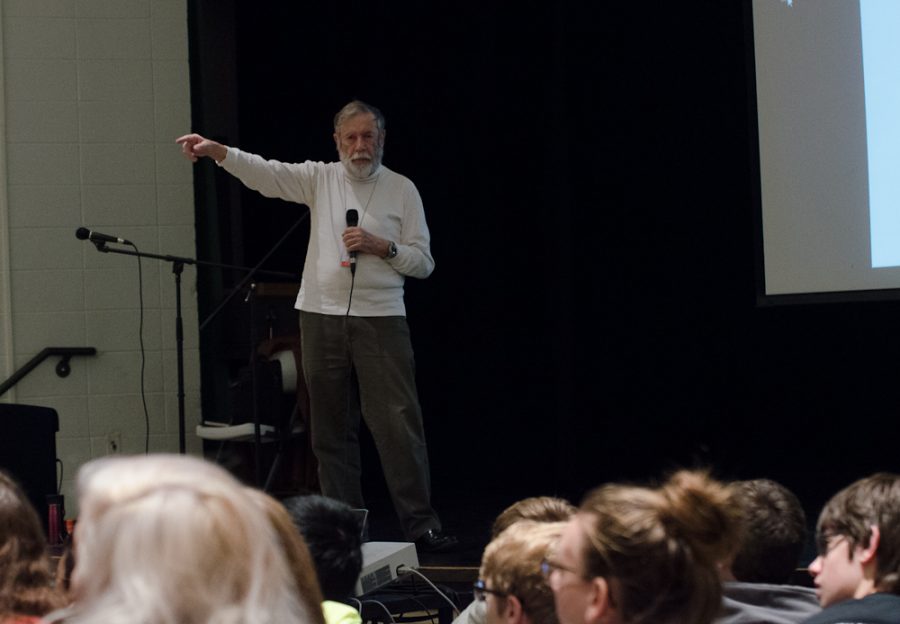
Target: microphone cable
(404, 569)
(143, 352)
(352, 282)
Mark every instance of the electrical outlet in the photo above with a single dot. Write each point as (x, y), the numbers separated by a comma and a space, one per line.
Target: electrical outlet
(113, 443)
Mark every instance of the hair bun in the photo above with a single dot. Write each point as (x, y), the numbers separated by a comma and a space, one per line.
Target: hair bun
(703, 512)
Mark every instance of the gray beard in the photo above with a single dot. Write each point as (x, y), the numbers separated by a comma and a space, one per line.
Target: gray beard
(362, 172)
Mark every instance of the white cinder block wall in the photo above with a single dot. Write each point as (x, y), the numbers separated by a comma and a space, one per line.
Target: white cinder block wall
(94, 94)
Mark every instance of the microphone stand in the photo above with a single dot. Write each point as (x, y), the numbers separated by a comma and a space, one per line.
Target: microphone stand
(178, 263)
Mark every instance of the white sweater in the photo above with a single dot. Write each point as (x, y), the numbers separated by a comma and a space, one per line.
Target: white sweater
(389, 206)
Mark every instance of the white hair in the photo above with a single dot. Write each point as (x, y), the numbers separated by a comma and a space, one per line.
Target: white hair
(358, 107)
(169, 539)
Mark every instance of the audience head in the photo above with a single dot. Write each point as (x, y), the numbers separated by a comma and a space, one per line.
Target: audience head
(298, 558)
(333, 533)
(774, 532)
(637, 554)
(25, 576)
(511, 583)
(171, 538)
(858, 540)
(537, 508)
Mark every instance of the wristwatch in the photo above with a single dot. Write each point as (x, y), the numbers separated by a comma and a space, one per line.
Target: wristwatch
(392, 250)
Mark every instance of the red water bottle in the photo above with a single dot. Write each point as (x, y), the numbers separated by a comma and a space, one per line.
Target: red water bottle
(55, 517)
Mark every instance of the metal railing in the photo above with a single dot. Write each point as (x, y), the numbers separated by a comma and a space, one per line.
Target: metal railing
(62, 367)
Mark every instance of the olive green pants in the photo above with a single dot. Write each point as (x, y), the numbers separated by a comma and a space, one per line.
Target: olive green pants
(356, 364)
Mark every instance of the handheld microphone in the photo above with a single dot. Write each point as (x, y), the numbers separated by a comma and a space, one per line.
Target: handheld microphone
(83, 233)
(352, 221)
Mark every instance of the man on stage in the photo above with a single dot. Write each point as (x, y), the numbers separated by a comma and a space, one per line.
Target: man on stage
(353, 327)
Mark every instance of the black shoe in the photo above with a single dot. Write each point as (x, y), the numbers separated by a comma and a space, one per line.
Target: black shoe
(435, 541)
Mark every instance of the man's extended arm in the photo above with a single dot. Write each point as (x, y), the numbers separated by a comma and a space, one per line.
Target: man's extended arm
(193, 146)
(272, 178)
(276, 179)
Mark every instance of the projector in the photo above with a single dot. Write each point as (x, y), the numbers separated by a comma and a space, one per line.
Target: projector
(380, 563)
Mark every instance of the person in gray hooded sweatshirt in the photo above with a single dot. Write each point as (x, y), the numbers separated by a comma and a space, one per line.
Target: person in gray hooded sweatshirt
(755, 581)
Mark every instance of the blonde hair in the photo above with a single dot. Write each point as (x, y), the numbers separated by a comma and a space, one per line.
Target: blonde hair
(537, 508)
(166, 539)
(296, 551)
(658, 547)
(512, 563)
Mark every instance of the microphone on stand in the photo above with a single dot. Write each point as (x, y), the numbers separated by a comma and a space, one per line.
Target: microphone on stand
(83, 233)
(352, 221)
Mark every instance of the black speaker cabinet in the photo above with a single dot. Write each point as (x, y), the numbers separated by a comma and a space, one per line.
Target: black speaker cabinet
(28, 450)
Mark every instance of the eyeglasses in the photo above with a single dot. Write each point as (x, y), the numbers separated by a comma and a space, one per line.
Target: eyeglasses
(480, 592)
(548, 565)
(826, 542)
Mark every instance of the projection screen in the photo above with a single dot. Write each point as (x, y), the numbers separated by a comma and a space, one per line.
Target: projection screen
(828, 114)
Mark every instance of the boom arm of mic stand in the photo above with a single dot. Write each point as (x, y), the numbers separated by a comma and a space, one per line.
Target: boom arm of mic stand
(101, 246)
(252, 272)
